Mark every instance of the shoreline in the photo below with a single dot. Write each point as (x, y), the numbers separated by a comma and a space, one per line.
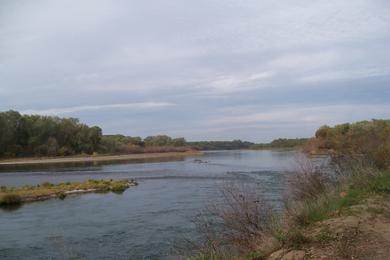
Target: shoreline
(97, 158)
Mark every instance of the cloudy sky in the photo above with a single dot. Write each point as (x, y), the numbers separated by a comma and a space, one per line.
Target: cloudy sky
(204, 69)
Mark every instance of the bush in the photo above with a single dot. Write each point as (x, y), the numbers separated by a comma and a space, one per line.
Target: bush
(47, 184)
(61, 195)
(236, 225)
(10, 199)
(119, 187)
(307, 182)
(367, 138)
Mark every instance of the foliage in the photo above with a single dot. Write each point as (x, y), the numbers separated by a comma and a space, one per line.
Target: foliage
(220, 145)
(10, 199)
(120, 144)
(33, 135)
(281, 143)
(349, 188)
(368, 138)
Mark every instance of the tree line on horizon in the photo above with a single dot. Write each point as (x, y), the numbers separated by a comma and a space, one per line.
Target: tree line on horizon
(35, 135)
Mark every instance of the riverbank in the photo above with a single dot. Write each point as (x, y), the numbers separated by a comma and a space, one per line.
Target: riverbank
(353, 223)
(360, 231)
(347, 217)
(98, 158)
(17, 195)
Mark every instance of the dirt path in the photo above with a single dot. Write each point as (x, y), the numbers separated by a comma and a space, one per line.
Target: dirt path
(100, 158)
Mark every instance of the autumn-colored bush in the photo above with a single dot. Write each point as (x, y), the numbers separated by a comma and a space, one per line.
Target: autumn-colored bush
(366, 138)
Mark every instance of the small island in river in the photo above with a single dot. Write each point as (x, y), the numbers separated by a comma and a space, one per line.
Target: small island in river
(17, 195)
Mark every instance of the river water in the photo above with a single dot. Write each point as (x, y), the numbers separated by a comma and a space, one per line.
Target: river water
(145, 222)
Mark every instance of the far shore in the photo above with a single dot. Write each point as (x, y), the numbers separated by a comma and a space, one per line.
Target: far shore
(97, 158)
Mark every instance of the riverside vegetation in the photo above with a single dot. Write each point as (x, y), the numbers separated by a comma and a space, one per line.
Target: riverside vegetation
(48, 136)
(34, 135)
(341, 211)
(10, 196)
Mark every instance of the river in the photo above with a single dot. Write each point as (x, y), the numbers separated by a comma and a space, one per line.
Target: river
(145, 222)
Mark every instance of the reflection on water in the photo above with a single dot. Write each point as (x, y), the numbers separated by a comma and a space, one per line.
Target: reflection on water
(142, 223)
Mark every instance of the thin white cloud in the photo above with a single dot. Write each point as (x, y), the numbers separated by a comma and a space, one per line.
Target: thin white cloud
(69, 110)
(232, 83)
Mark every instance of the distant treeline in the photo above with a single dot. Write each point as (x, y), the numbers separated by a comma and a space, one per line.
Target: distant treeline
(282, 143)
(220, 145)
(120, 144)
(34, 135)
(368, 138)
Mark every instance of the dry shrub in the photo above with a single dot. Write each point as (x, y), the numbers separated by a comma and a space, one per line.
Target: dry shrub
(237, 224)
(307, 182)
(307, 188)
(355, 171)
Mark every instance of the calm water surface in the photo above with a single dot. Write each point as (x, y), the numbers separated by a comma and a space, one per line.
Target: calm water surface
(145, 222)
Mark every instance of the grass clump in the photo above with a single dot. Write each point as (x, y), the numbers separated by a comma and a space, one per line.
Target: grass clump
(323, 208)
(10, 199)
(381, 184)
(119, 187)
(325, 236)
(293, 237)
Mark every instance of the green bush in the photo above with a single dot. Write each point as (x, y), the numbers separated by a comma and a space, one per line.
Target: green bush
(119, 187)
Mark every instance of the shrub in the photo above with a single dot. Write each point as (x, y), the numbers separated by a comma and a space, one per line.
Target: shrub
(119, 187)
(61, 195)
(10, 199)
(368, 138)
(307, 182)
(47, 184)
(236, 225)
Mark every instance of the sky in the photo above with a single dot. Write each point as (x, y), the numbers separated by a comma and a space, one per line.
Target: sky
(254, 70)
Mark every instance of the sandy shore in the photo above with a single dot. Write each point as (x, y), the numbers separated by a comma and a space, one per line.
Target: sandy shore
(98, 158)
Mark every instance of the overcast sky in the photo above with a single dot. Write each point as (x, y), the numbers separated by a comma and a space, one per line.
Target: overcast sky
(205, 69)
